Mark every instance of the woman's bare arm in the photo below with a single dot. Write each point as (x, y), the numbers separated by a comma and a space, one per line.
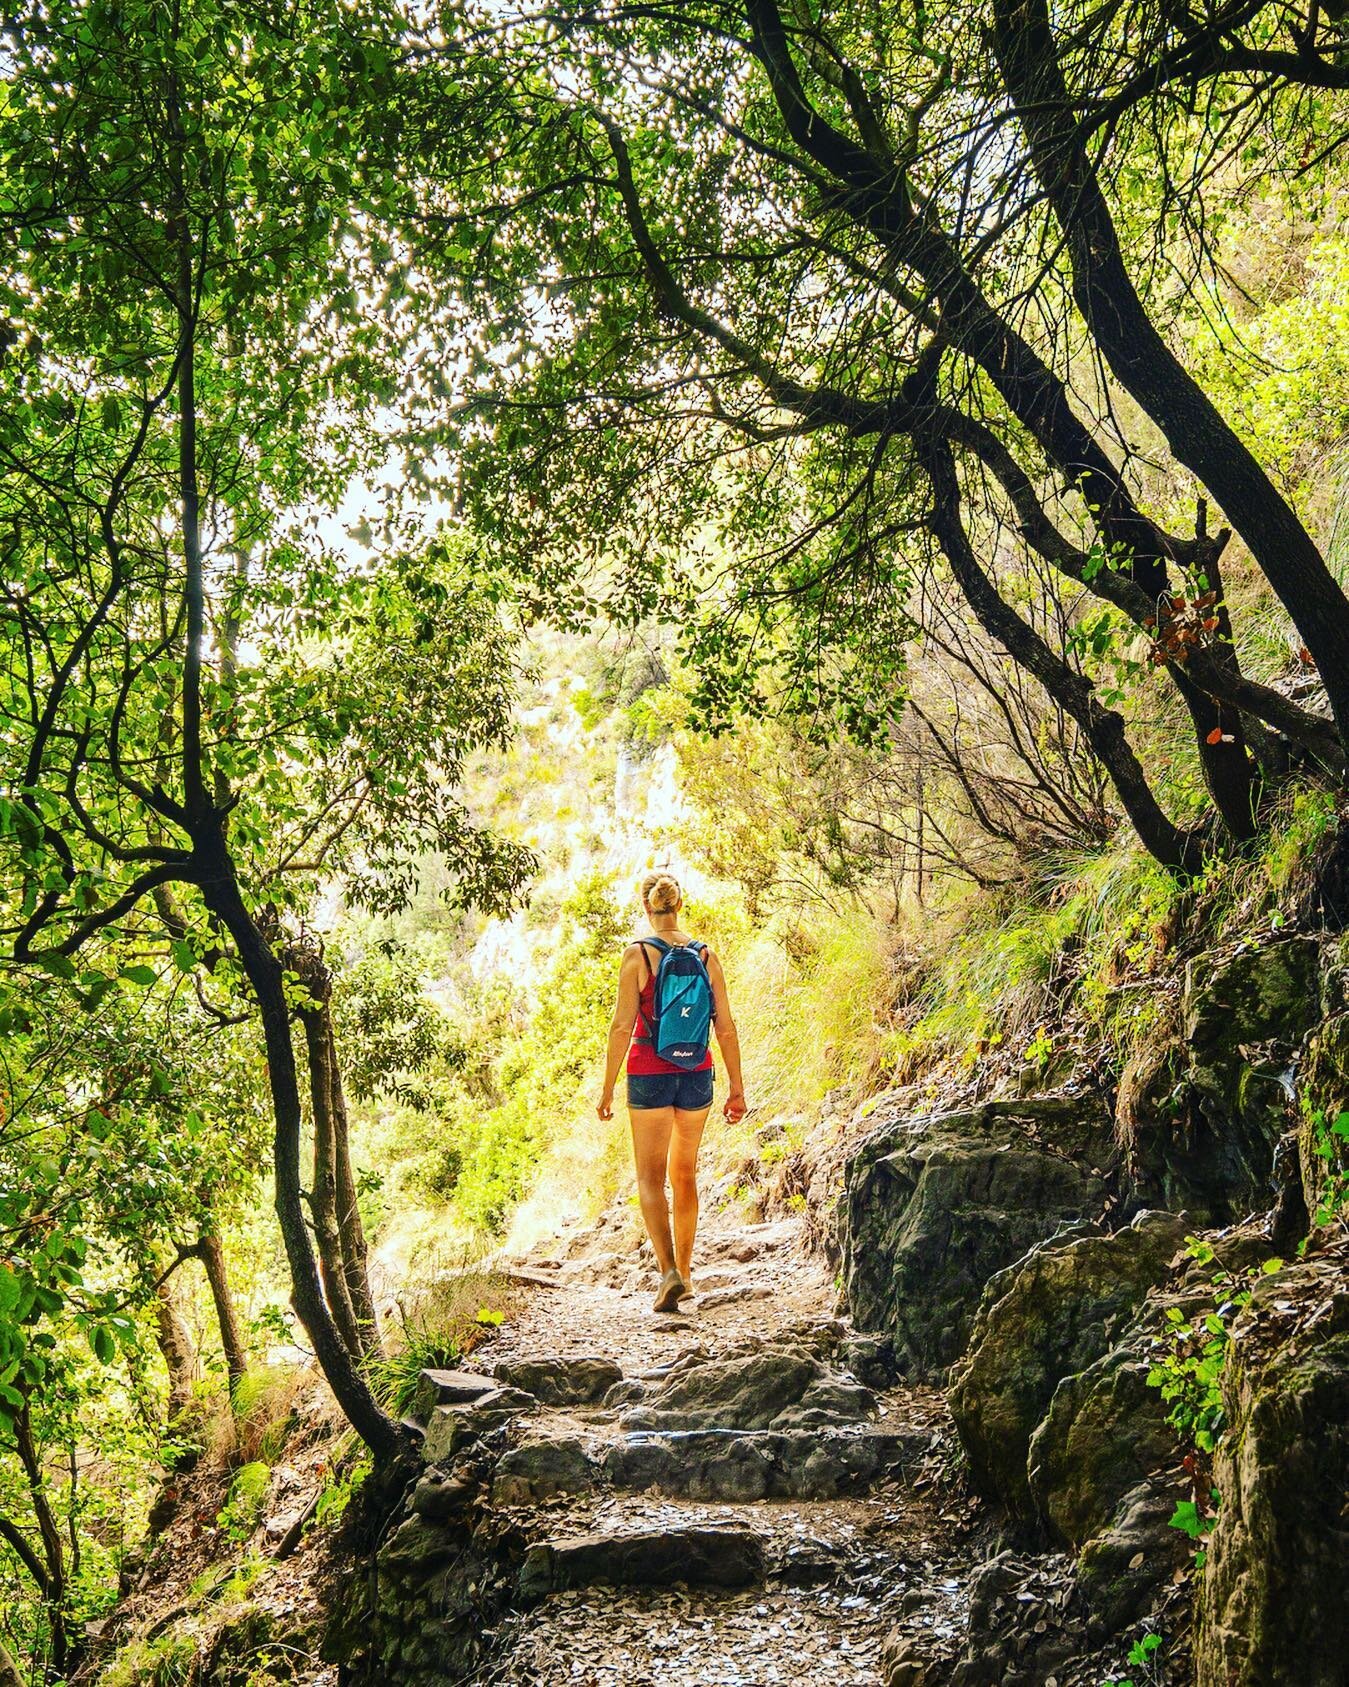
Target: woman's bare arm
(728, 1041)
(620, 1026)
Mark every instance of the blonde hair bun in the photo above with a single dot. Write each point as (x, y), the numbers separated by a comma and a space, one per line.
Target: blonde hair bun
(661, 893)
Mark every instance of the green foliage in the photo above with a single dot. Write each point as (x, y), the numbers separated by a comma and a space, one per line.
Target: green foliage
(341, 1484)
(169, 1661)
(530, 1066)
(247, 1495)
(442, 1318)
(422, 1345)
(1188, 1361)
(263, 1408)
(1188, 1371)
(1196, 1524)
(1142, 1655)
(390, 1032)
(1330, 1144)
(1187, 1367)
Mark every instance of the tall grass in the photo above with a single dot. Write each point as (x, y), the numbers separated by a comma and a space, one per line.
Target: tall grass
(810, 1004)
(1078, 941)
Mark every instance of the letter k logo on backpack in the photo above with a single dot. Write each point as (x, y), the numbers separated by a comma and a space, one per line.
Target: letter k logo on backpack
(682, 1020)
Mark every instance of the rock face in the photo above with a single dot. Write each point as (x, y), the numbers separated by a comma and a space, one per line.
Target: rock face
(1274, 1588)
(1265, 993)
(1200, 1113)
(1104, 1434)
(1042, 1320)
(540, 1470)
(935, 1204)
(715, 1464)
(1324, 1083)
(448, 1388)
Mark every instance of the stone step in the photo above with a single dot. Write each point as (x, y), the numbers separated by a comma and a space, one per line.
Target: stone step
(449, 1388)
(743, 1465)
(570, 1380)
(708, 1464)
(729, 1555)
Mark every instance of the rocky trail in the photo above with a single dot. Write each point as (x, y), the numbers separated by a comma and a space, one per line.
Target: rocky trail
(758, 1486)
(729, 1495)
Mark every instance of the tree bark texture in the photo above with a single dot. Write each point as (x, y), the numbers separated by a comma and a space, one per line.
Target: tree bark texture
(53, 1548)
(180, 1356)
(211, 1252)
(323, 1184)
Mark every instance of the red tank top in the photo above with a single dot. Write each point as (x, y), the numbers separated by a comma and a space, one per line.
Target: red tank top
(643, 1061)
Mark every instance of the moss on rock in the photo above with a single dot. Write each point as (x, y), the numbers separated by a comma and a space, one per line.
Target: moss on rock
(1274, 1586)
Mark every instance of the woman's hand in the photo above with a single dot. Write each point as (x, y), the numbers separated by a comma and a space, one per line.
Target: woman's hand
(604, 1108)
(734, 1107)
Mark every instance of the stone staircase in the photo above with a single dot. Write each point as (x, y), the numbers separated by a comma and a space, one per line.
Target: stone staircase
(725, 1508)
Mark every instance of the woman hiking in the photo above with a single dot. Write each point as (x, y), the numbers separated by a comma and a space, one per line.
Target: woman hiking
(671, 996)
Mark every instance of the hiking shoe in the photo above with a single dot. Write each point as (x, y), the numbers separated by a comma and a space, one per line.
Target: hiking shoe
(670, 1293)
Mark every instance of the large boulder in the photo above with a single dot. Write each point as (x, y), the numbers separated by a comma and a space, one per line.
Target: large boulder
(540, 1470)
(1274, 1588)
(1124, 1570)
(1259, 993)
(935, 1204)
(1047, 1317)
(1243, 1019)
(1103, 1437)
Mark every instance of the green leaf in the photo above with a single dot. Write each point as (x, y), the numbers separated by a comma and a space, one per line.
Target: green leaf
(139, 975)
(1189, 1521)
(100, 1339)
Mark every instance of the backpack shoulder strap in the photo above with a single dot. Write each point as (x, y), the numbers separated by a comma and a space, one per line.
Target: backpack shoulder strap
(662, 949)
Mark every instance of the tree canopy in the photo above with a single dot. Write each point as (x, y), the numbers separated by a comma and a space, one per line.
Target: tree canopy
(835, 335)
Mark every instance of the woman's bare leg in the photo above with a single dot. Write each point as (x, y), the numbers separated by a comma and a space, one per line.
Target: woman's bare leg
(682, 1163)
(651, 1129)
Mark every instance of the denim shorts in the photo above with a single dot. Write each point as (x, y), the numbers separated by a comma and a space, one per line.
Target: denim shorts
(688, 1091)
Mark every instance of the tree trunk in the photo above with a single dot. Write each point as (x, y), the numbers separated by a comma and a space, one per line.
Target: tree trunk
(323, 1187)
(212, 1255)
(180, 1357)
(337, 1215)
(53, 1552)
(876, 194)
(1103, 728)
(9, 1670)
(220, 892)
(355, 1250)
(204, 807)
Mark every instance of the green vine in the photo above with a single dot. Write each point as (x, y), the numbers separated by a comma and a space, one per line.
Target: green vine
(1188, 1362)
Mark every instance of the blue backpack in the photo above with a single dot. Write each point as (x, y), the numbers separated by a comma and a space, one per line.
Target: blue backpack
(682, 1004)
